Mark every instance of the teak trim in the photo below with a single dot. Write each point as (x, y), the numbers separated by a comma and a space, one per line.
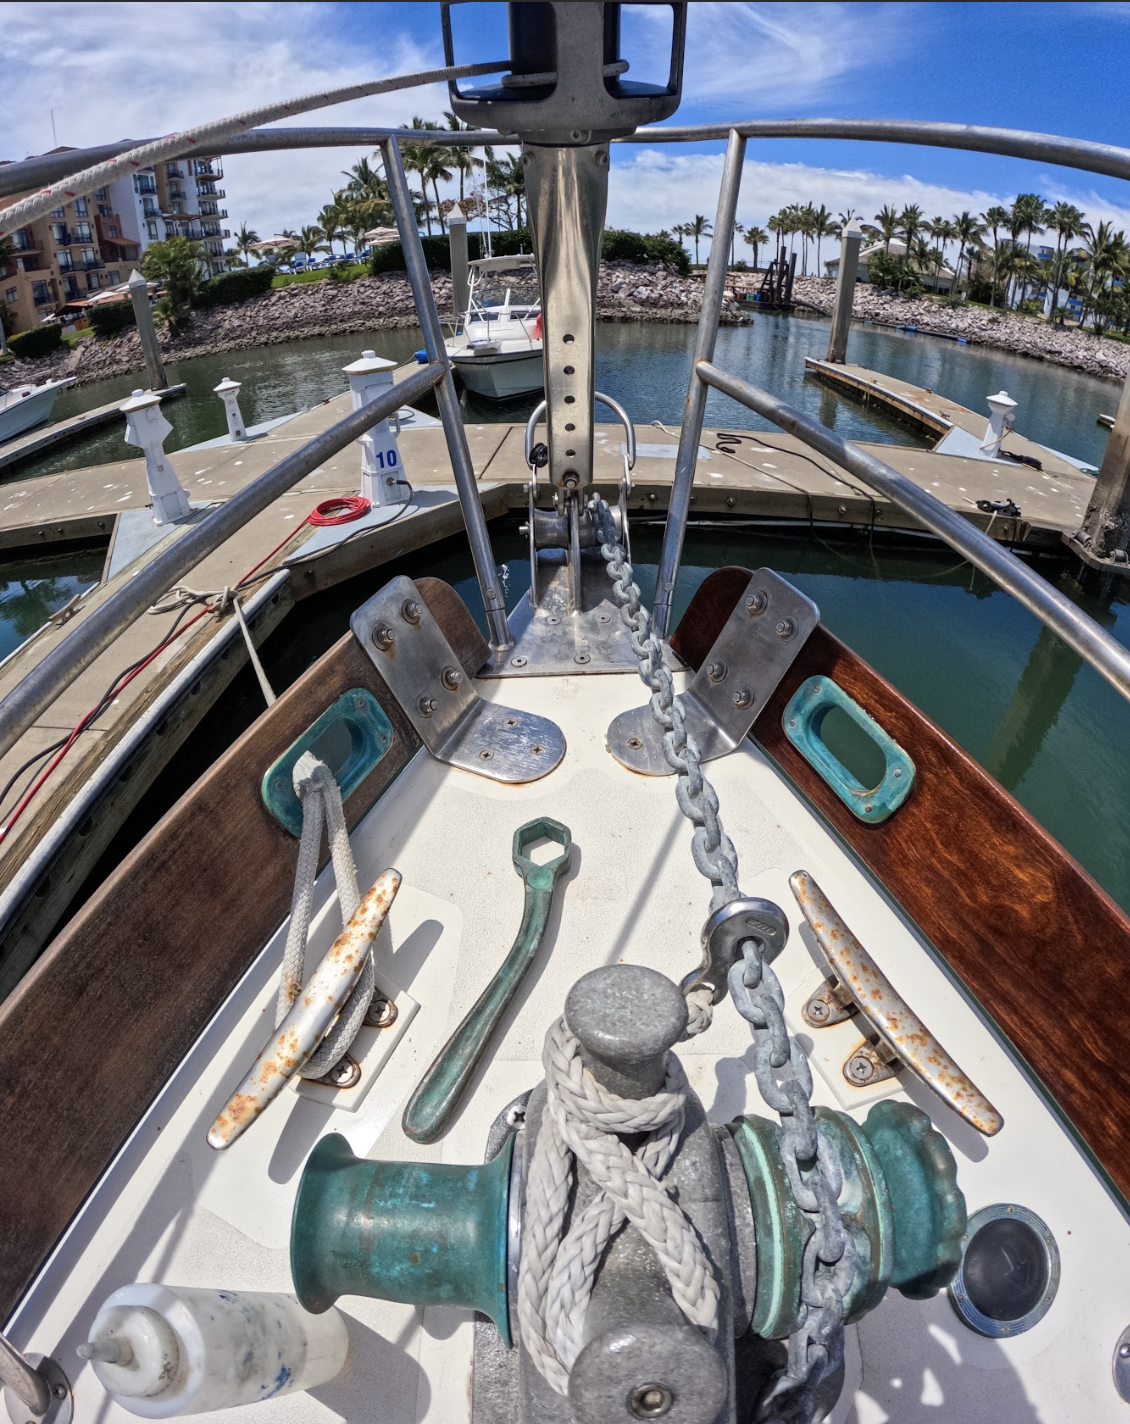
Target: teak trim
(1039, 945)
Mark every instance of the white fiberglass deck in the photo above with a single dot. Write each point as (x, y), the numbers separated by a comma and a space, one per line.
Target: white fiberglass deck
(172, 1210)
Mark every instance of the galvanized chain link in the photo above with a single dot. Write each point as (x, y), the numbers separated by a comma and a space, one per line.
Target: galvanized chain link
(784, 1078)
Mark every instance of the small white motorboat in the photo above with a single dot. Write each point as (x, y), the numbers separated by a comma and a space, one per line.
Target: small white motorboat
(21, 407)
(498, 350)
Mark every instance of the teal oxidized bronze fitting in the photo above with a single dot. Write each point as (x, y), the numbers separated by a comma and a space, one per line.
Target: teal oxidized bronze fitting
(433, 1234)
(419, 1232)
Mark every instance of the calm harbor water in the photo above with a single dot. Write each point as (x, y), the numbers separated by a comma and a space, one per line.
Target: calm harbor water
(1021, 703)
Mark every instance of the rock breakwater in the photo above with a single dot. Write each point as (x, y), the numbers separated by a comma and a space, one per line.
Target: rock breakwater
(1006, 331)
(625, 292)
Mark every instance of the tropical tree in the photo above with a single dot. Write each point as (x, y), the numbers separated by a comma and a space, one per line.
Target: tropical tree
(1026, 216)
(995, 219)
(910, 224)
(681, 230)
(246, 240)
(967, 231)
(699, 228)
(506, 176)
(756, 237)
(842, 219)
(823, 226)
(180, 265)
(941, 230)
(332, 220)
(311, 240)
(462, 158)
(1068, 223)
(887, 222)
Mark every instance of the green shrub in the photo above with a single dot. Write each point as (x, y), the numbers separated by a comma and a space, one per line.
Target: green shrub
(389, 257)
(108, 318)
(619, 246)
(623, 246)
(30, 345)
(346, 271)
(237, 286)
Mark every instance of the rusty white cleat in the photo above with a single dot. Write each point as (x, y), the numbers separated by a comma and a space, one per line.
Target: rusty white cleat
(312, 1016)
(900, 1038)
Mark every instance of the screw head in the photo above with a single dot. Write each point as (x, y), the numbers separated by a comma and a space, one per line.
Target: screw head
(425, 705)
(383, 637)
(381, 1012)
(486, 754)
(860, 1069)
(743, 698)
(635, 743)
(1124, 1352)
(785, 629)
(346, 1073)
(897, 773)
(451, 678)
(717, 671)
(756, 602)
(650, 1401)
(869, 807)
(816, 1010)
(518, 661)
(792, 721)
(582, 658)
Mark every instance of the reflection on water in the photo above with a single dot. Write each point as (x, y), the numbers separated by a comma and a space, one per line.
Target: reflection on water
(32, 589)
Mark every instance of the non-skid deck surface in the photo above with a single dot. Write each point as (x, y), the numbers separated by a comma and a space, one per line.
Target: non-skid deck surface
(175, 1211)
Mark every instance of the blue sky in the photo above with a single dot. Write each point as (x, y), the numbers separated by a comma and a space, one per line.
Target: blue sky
(133, 70)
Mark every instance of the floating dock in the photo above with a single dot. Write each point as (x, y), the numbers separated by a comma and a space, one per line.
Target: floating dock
(62, 432)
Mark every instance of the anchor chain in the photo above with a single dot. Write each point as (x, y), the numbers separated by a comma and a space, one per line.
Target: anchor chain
(784, 1078)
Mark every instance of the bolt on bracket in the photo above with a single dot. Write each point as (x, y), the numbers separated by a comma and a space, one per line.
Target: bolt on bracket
(409, 650)
(756, 647)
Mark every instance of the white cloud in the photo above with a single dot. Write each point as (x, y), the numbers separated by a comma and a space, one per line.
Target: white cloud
(658, 187)
(139, 70)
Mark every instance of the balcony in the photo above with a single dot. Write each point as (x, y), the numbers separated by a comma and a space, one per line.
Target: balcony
(26, 241)
(206, 190)
(92, 266)
(174, 170)
(43, 299)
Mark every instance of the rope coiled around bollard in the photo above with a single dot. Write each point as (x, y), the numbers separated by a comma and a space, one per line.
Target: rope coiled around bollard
(582, 1119)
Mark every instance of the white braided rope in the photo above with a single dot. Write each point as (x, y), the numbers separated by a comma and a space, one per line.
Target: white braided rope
(203, 139)
(316, 788)
(555, 1275)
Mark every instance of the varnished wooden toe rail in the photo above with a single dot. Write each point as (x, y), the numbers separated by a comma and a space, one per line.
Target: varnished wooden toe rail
(1037, 942)
(98, 1025)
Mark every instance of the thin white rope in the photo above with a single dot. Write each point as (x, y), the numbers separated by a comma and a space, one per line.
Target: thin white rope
(202, 138)
(557, 1270)
(316, 788)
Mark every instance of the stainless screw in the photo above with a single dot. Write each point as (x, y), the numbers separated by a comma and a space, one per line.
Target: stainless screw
(842, 509)
(410, 611)
(743, 698)
(717, 671)
(515, 1116)
(384, 637)
(451, 678)
(792, 721)
(346, 1073)
(604, 617)
(756, 602)
(869, 807)
(537, 751)
(425, 705)
(862, 1070)
(785, 629)
(381, 1012)
(1124, 1352)
(651, 1401)
(582, 658)
(485, 755)
(816, 1011)
(897, 773)
(730, 501)
(635, 743)
(518, 662)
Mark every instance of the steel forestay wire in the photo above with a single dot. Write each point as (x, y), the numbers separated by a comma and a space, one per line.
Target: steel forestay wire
(784, 1078)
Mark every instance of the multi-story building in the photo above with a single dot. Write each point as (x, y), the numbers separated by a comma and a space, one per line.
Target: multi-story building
(90, 243)
(176, 199)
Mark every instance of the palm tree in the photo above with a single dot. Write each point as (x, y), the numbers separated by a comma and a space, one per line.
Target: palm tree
(699, 228)
(842, 219)
(1068, 223)
(310, 240)
(910, 223)
(331, 220)
(756, 237)
(246, 240)
(462, 158)
(996, 218)
(941, 230)
(887, 221)
(823, 226)
(968, 232)
(507, 176)
(1027, 215)
(365, 196)
(681, 230)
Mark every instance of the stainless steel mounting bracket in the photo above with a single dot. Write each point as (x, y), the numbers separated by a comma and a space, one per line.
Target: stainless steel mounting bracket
(768, 627)
(407, 646)
(722, 937)
(896, 1037)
